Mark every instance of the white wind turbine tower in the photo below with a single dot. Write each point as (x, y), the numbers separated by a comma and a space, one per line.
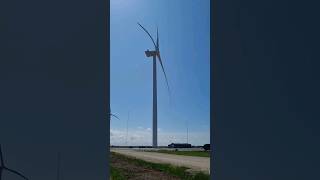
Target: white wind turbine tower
(155, 54)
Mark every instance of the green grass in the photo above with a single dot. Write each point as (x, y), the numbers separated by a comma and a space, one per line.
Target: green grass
(167, 168)
(186, 153)
(117, 174)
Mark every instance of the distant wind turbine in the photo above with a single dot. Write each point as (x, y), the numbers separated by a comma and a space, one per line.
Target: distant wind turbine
(4, 167)
(113, 115)
(155, 54)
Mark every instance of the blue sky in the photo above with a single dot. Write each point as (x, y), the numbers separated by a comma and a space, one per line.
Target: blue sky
(184, 32)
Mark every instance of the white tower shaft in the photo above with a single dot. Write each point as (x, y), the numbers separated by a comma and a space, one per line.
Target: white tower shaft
(154, 114)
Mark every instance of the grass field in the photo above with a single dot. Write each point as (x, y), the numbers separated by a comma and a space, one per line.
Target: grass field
(186, 153)
(117, 174)
(123, 167)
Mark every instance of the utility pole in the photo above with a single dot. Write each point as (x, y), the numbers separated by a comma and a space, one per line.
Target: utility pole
(127, 129)
(187, 133)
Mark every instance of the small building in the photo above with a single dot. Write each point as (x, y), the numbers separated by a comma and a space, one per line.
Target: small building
(179, 145)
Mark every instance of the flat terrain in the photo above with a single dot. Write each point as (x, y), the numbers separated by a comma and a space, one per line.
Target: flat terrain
(186, 153)
(192, 162)
(124, 167)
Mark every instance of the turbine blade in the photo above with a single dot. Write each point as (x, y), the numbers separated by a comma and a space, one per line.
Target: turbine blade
(148, 34)
(15, 172)
(1, 157)
(157, 40)
(114, 116)
(164, 72)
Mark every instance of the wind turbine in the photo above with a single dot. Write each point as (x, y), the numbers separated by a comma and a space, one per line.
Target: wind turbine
(113, 115)
(155, 54)
(4, 167)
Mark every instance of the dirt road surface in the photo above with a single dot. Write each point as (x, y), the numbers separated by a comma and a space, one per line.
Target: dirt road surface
(195, 163)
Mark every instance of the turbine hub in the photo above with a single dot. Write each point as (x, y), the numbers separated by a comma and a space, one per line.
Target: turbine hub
(151, 53)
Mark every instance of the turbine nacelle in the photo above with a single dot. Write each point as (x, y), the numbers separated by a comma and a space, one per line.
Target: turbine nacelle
(151, 53)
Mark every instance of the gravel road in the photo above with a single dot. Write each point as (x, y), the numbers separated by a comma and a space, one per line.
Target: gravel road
(195, 163)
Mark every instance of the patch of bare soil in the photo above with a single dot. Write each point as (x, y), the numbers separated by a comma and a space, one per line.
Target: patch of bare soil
(134, 172)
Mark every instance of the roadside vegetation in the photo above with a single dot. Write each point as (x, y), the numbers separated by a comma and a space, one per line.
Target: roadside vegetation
(186, 153)
(117, 174)
(123, 167)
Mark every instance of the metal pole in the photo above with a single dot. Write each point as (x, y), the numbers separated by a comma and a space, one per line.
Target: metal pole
(127, 130)
(187, 132)
(155, 129)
